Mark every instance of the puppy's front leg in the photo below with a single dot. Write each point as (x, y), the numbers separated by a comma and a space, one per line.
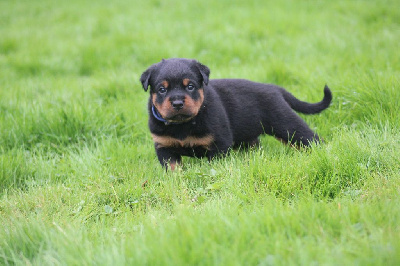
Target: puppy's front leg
(168, 156)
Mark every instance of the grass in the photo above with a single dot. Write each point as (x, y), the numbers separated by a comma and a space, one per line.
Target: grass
(79, 180)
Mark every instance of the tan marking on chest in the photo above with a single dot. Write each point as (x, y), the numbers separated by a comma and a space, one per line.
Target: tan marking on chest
(189, 142)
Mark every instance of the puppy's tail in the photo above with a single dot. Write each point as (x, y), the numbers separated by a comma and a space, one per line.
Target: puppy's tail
(308, 108)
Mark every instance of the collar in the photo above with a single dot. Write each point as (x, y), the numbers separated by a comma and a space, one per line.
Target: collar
(158, 116)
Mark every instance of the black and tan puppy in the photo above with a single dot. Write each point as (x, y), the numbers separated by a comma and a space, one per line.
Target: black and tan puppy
(190, 115)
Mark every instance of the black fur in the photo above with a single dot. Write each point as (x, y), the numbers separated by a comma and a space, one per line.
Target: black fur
(233, 112)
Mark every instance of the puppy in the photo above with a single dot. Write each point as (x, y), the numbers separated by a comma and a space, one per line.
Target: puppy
(190, 115)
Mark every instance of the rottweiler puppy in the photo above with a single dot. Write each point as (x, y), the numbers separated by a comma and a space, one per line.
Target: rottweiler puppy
(191, 115)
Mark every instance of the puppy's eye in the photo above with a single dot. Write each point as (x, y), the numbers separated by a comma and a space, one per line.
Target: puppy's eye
(190, 87)
(162, 90)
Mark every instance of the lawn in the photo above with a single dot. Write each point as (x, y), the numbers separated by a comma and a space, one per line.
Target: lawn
(80, 183)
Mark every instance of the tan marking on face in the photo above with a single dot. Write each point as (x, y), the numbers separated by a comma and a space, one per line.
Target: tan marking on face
(163, 108)
(185, 82)
(165, 83)
(191, 107)
(189, 142)
(194, 106)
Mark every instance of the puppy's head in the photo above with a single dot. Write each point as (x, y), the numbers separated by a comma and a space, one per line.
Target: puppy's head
(176, 88)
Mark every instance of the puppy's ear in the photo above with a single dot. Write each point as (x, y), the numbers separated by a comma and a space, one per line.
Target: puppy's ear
(146, 77)
(204, 71)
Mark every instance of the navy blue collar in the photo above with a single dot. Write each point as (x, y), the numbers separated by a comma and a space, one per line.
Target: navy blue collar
(157, 115)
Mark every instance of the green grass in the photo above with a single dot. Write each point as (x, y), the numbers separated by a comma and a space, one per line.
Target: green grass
(79, 180)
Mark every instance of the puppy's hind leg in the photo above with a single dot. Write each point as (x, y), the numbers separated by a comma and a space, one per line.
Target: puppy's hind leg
(291, 129)
(302, 136)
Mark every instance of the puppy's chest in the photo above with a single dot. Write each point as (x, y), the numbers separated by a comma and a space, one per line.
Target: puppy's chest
(189, 141)
(192, 135)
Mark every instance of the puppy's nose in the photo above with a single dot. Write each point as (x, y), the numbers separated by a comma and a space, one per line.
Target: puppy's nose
(177, 104)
